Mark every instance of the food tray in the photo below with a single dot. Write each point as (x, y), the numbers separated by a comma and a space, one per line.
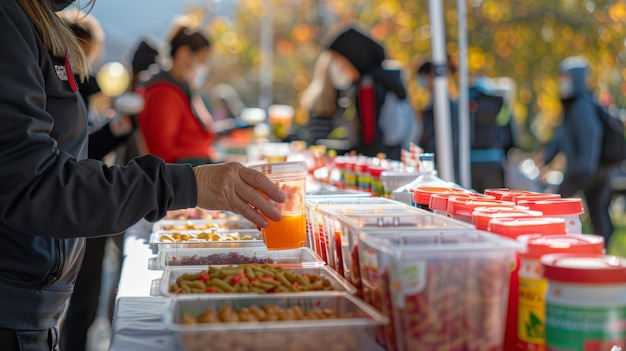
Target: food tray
(338, 283)
(351, 334)
(228, 256)
(227, 239)
(443, 289)
(200, 213)
(201, 224)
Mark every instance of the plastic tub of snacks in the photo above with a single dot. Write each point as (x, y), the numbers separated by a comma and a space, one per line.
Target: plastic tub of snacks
(303, 256)
(442, 290)
(336, 321)
(251, 278)
(210, 238)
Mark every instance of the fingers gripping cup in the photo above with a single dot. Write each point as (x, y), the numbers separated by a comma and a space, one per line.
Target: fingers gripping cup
(290, 231)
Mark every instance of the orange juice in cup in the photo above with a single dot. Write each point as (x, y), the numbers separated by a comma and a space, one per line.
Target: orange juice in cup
(290, 231)
(280, 118)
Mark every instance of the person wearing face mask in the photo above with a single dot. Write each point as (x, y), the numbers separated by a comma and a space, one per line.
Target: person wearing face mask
(579, 138)
(175, 123)
(346, 96)
(52, 196)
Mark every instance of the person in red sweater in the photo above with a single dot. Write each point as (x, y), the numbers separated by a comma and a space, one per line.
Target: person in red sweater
(175, 123)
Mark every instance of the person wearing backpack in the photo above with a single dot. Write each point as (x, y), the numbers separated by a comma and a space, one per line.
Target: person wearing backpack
(580, 139)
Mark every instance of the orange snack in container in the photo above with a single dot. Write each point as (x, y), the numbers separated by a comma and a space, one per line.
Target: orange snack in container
(569, 209)
(533, 287)
(514, 228)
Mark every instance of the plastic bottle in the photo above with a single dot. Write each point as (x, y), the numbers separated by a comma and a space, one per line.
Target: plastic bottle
(427, 177)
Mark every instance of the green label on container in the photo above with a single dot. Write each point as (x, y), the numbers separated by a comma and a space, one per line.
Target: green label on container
(531, 313)
(585, 329)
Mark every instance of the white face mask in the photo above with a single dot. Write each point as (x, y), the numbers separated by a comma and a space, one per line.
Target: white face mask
(338, 77)
(200, 76)
(566, 87)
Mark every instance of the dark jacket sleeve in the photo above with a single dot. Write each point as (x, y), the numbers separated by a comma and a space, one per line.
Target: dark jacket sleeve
(102, 141)
(45, 191)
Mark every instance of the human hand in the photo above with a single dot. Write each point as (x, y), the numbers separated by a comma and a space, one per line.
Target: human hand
(234, 187)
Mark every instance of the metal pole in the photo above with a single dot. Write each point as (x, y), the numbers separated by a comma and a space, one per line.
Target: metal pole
(465, 170)
(267, 52)
(443, 135)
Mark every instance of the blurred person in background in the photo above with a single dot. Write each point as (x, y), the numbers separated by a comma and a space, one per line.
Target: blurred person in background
(427, 141)
(347, 94)
(492, 134)
(579, 138)
(175, 123)
(53, 196)
(225, 102)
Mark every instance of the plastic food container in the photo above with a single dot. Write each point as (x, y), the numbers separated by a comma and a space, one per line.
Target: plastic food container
(235, 223)
(201, 213)
(421, 196)
(347, 227)
(331, 242)
(569, 209)
(517, 196)
(317, 238)
(205, 239)
(586, 302)
(338, 283)
(442, 290)
(303, 256)
(531, 316)
(514, 228)
(483, 215)
(439, 202)
(462, 209)
(290, 231)
(354, 333)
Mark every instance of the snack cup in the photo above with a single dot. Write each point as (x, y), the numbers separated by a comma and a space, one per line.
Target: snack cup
(290, 231)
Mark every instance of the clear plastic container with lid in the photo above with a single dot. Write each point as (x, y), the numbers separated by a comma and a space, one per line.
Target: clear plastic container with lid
(569, 209)
(444, 290)
(585, 302)
(531, 316)
(427, 177)
(483, 215)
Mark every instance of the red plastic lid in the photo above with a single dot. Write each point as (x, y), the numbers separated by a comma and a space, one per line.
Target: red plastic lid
(439, 202)
(584, 268)
(362, 168)
(555, 207)
(514, 227)
(422, 195)
(483, 215)
(340, 161)
(517, 196)
(465, 208)
(375, 171)
(539, 245)
(497, 192)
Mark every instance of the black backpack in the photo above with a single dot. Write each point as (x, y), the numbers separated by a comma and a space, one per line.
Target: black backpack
(613, 143)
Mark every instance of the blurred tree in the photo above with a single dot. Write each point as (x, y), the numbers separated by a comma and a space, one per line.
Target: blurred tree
(521, 39)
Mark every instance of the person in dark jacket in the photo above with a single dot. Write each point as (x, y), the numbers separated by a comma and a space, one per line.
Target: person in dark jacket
(52, 196)
(579, 138)
(347, 93)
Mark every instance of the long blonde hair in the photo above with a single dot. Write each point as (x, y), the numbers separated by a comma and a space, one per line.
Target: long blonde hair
(57, 37)
(320, 97)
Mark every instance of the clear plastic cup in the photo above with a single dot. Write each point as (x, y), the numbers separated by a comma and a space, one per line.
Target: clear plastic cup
(290, 231)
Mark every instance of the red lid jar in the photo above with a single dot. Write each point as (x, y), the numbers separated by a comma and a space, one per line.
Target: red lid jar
(483, 215)
(515, 227)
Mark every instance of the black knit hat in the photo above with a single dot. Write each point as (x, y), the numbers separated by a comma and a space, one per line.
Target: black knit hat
(144, 56)
(361, 50)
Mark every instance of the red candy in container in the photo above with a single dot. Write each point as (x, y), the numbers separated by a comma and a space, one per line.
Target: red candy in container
(569, 209)
(514, 228)
(531, 322)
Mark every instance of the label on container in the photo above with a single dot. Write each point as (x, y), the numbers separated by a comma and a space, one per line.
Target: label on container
(377, 188)
(364, 182)
(351, 180)
(531, 315)
(585, 329)
(408, 278)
